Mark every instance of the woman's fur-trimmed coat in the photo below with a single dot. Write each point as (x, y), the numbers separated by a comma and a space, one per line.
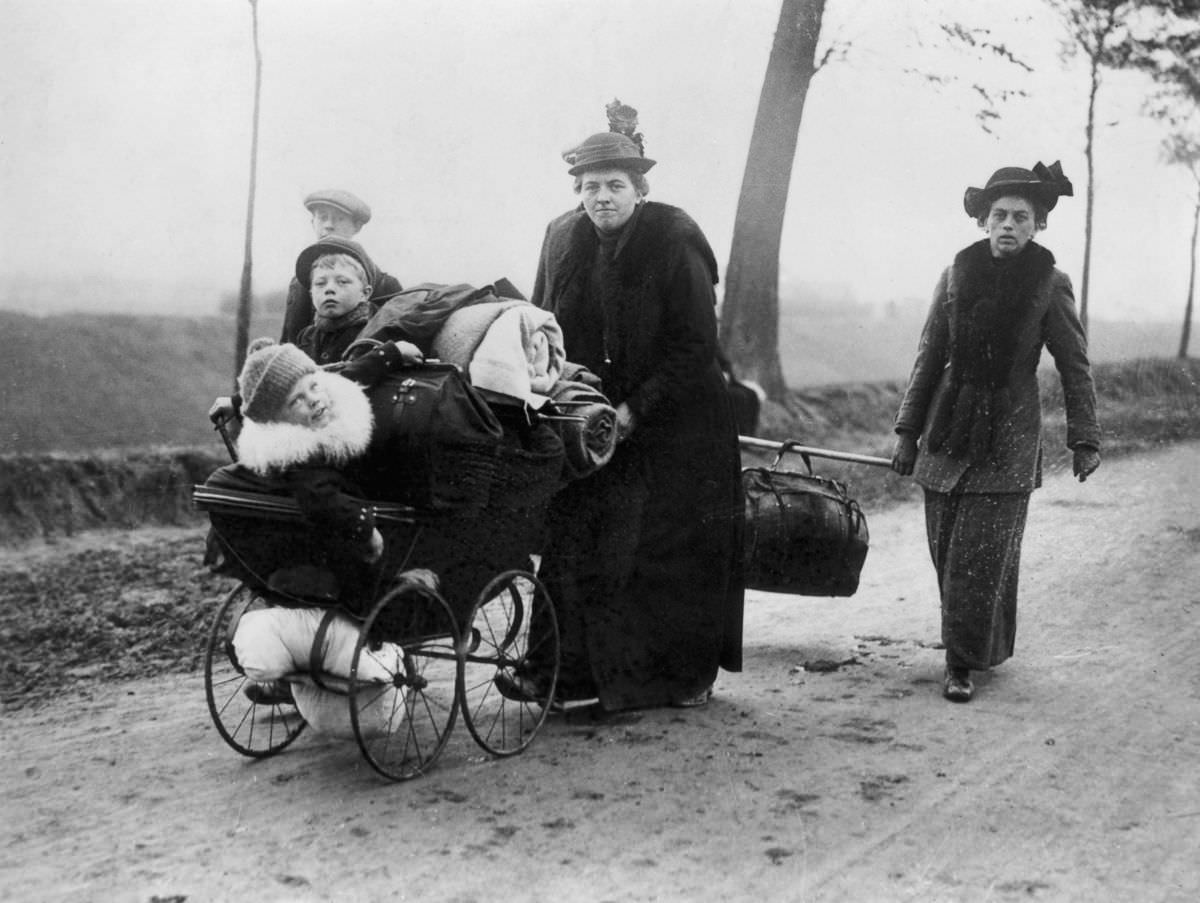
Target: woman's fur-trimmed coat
(665, 608)
(1049, 321)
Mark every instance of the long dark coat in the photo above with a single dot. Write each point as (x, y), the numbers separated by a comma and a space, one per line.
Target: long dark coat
(1048, 321)
(644, 561)
(976, 506)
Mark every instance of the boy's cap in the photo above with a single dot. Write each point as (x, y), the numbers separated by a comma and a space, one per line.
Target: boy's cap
(350, 204)
(334, 244)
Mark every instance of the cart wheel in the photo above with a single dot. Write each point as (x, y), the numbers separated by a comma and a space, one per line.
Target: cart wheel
(403, 694)
(253, 729)
(513, 633)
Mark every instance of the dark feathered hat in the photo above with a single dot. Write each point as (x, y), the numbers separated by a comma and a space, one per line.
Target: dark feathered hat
(1042, 185)
(620, 147)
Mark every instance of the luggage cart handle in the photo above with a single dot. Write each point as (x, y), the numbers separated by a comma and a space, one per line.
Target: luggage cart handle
(806, 452)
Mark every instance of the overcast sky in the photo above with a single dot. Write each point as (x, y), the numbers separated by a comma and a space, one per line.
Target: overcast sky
(126, 129)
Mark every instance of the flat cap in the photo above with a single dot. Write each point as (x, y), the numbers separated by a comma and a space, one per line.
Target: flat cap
(350, 204)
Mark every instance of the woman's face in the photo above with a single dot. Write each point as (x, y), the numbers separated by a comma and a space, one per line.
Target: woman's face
(309, 403)
(1011, 223)
(337, 289)
(609, 198)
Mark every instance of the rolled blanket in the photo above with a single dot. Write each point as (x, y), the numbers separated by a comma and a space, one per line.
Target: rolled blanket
(509, 347)
(587, 426)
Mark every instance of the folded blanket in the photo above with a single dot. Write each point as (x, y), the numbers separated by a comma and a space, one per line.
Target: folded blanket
(276, 644)
(509, 347)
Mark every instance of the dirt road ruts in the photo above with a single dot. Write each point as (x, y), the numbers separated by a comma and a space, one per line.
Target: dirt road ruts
(830, 769)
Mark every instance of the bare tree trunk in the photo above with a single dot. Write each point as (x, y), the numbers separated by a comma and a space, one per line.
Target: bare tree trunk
(1186, 335)
(750, 312)
(244, 295)
(1089, 152)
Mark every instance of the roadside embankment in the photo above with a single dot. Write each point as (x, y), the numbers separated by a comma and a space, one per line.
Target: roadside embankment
(1143, 404)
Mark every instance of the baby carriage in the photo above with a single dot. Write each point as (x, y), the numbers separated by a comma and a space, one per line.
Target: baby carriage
(416, 652)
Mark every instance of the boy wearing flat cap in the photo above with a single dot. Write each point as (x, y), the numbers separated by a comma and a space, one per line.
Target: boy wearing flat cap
(334, 213)
(339, 278)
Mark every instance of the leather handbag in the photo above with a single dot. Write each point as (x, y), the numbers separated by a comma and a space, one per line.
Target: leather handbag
(803, 533)
(435, 440)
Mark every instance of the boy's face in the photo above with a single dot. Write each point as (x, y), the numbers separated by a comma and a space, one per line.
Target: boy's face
(309, 403)
(337, 290)
(328, 220)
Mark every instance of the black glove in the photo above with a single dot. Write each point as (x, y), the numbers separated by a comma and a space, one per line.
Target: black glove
(1087, 459)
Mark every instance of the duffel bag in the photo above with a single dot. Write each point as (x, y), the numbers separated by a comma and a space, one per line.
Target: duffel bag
(434, 443)
(804, 534)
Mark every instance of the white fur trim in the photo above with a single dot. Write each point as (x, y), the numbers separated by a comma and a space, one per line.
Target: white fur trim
(272, 446)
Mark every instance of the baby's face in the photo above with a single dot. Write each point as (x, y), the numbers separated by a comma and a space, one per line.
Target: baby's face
(336, 290)
(309, 404)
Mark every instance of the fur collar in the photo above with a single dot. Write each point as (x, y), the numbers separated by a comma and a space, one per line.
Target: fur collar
(647, 243)
(273, 446)
(980, 274)
(991, 304)
(993, 298)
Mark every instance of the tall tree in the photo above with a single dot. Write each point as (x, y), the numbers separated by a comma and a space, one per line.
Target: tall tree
(244, 293)
(1174, 63)
(750, 311)
(1111, 34)
(1185, 151)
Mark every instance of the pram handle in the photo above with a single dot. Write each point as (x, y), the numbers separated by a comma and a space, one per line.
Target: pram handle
(221, 423)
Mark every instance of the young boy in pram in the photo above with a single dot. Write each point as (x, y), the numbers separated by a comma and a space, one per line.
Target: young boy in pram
(303, 431)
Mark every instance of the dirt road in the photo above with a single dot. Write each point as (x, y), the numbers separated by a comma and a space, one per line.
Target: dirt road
(1072, 776)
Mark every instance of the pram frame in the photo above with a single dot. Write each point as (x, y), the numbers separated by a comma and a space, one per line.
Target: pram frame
(496, 638)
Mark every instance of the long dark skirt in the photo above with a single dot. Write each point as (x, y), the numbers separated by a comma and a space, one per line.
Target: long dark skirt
(975, 543)
(644, 569)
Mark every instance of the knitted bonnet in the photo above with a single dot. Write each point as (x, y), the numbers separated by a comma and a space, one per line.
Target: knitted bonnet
(268, 376)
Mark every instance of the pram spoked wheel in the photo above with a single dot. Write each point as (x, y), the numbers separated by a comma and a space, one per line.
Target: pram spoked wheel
(403, 699)
(512, 633)
(252, 728)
